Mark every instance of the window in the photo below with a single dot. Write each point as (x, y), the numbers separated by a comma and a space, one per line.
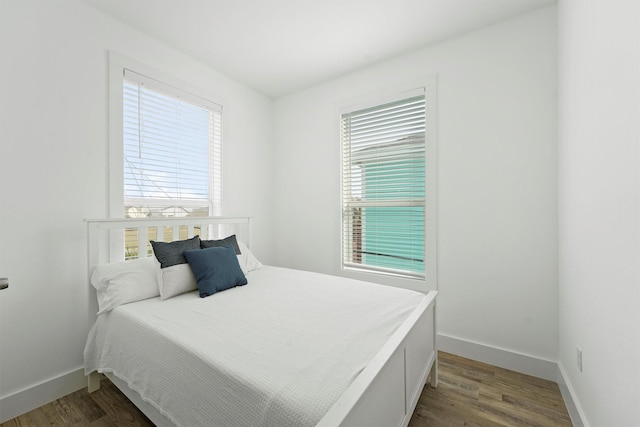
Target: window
(171, 149)
(165, 151)
(383, 187)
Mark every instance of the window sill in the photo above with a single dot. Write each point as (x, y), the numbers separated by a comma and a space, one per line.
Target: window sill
(416, 283)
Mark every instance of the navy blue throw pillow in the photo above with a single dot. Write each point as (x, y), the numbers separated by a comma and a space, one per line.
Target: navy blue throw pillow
(215, 269)
(170, 253)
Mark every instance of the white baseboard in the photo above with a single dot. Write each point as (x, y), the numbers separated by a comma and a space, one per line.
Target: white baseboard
(31, 398)
(573, 405)
(502, 358)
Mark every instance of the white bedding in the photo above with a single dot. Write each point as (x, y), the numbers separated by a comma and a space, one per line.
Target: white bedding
(276, 352)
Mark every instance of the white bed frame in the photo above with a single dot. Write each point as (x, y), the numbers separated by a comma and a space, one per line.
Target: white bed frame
(385, 393)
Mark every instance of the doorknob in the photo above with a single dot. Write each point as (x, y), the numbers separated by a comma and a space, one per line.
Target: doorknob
(4, 283)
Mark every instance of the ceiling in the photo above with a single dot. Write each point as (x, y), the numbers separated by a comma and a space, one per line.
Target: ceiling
(279, 46)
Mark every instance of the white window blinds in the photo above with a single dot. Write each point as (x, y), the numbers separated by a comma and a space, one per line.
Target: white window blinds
(172, 150)
(384, 187)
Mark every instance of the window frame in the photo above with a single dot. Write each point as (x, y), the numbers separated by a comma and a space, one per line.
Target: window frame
(117, 66)
(426, 86)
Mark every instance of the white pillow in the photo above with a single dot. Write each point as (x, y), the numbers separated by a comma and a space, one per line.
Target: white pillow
(124, 282)
(248, 261)
(175, 276)
(176, 280)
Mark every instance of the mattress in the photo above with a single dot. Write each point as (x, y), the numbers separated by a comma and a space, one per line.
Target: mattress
(279, 351)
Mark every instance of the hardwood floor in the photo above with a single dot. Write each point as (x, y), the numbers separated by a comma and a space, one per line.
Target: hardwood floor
(105, 407)
(469, 394)
(475, 394)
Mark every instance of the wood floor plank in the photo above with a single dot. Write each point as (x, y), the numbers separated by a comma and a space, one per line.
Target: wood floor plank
(37, 417)
(105, 421)
(69, 413)
(118, 407)
(469, 394)
(52, 415)
(87, 406)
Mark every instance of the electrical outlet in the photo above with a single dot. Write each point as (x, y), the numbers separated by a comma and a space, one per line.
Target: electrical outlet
(579, 358)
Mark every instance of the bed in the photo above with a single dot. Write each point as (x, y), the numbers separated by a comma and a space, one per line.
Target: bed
(289, 348)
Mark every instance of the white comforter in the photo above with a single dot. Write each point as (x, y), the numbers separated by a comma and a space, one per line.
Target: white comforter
(276, 352)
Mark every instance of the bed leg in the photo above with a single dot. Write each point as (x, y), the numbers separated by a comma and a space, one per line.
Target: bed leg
(93, 382)
(433, 375)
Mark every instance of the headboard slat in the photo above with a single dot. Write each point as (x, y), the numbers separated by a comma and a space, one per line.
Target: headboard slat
(143, 238)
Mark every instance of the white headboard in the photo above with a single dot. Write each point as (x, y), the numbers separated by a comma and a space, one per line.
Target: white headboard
(106, 237)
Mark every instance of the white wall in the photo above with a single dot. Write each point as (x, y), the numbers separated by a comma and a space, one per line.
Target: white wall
(600, 207)
(53, 173)
(497, 177)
